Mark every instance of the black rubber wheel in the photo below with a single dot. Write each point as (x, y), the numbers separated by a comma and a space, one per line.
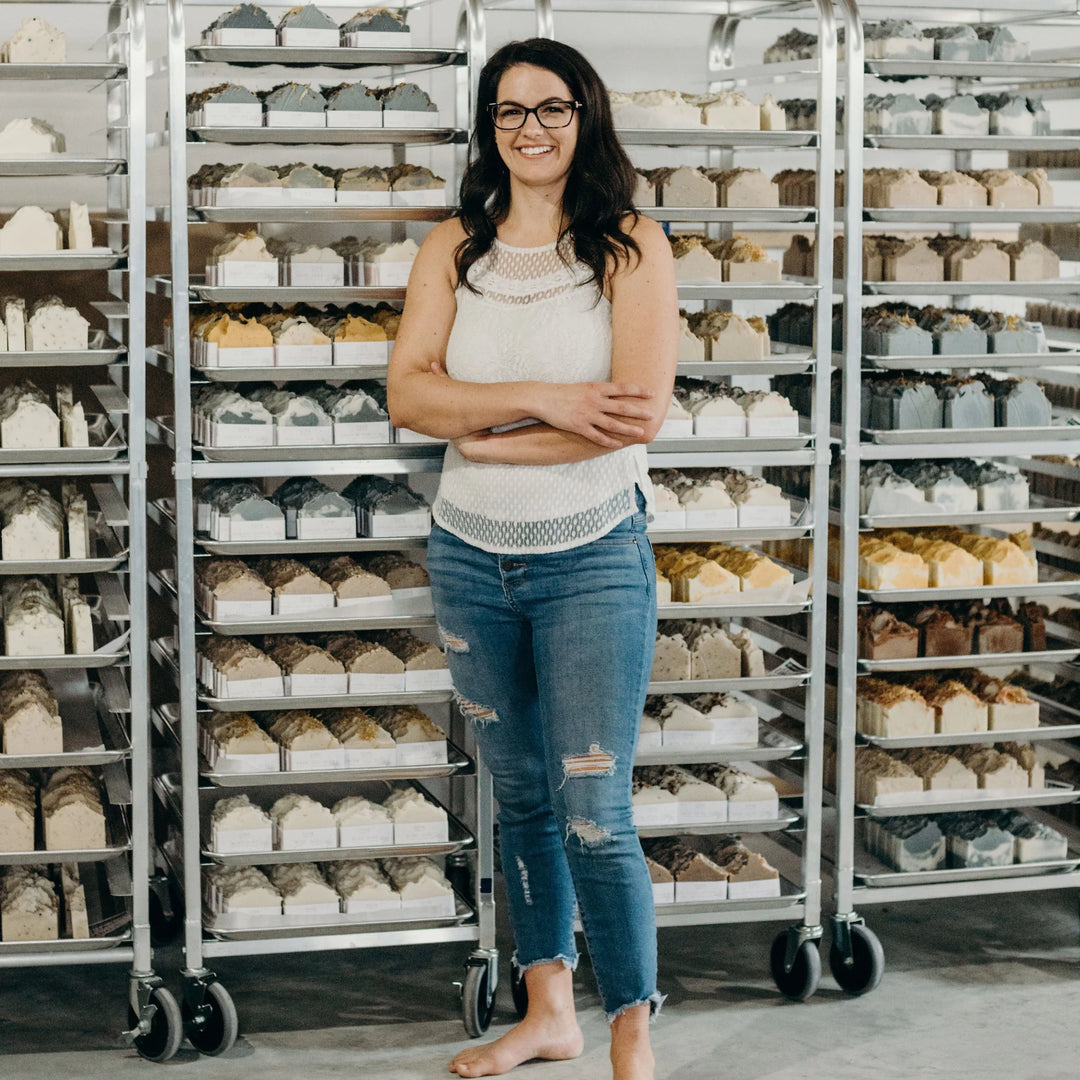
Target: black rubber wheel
(867, 962)
(166, 1027)
(519, 991)
(477, 1005)
(220, 1025)
(802, 980)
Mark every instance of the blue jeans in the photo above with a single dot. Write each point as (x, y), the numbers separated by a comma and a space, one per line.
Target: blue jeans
(550, 656)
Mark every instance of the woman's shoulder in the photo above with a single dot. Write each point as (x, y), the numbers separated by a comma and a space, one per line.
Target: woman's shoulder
(643, 230)
(445, 237)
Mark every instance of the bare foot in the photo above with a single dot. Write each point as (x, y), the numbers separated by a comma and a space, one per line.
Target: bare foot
(631, 1053)
(527, 1040)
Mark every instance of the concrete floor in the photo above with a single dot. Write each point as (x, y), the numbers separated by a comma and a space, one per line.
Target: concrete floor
(986, 988)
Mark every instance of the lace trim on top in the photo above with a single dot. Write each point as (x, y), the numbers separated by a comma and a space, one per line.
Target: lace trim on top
(514, 275)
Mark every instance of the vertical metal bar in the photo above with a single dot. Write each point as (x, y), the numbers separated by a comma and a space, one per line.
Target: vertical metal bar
(185, 519)
(137, 558)
(485, 855)
(852, 375)
(814, 724)
(545, 19)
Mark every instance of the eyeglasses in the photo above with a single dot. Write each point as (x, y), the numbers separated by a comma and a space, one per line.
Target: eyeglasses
(509, 116)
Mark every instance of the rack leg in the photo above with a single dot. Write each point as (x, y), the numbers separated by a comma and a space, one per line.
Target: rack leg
(856, 958)
(156, 1028)
(210, 1019)
(795, 961)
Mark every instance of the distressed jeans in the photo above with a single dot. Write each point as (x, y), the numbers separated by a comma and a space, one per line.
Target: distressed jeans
(550, 656)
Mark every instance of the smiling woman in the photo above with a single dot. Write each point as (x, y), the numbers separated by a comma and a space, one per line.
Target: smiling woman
(539, 338)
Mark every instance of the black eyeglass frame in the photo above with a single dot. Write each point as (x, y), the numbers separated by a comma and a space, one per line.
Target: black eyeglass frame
(536, 112)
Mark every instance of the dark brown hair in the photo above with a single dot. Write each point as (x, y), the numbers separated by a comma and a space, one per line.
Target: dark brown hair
(600, 185)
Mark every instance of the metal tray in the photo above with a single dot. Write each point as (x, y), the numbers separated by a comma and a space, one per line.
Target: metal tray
(1057, 551)
(971, 360)
(309, 547)
(706, 136)
(297, 215)
(103, 350)
(780, 675)
(338, 56)
(1026, 70)
(735, 535)
(328, 622)
(1045, 587)
(112, 445)
(736, 609)
(1042, 733)
(1052, 287)
(1041, 509)
(336, 373)
(459, 765)
(238, 294)
(924, 143)
(67, 70)
(771, 746)
(81, 855)
(777, 364)
(61, 260)
(357, 451)
(876, 874)
(704, 444)
(748, 290)
(325, 701)
(974, 215)
(789, 895)
(62, 945)
(264, 136)
(785, 819)
(61, 165)
(342, 924)
(1060, 654)
(1053, 794)
(714, 214)
(102, 539)
(112, 652)
(935, 436)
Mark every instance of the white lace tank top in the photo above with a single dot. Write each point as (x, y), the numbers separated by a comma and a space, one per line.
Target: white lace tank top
(536, 319)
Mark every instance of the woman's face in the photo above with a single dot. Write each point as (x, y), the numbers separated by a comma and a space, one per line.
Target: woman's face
(536, 155)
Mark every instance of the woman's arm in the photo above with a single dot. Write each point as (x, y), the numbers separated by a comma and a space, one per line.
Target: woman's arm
(645, 333)
(420, 399)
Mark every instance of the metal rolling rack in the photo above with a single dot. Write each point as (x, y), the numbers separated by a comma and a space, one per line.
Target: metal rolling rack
(186, 797)
(103, 696)
(856, 956)
(792, 841)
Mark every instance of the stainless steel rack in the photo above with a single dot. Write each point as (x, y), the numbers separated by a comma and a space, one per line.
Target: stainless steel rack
(186, 796)
(102, 695)
(791, 842)
(856, 956)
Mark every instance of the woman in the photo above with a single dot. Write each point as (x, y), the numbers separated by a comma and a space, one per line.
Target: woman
(539, 338)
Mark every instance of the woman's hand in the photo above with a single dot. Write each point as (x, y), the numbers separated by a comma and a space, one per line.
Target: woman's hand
(597, 411)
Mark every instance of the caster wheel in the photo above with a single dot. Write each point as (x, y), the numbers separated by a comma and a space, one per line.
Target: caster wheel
(519, 990)
(220, 1025)
(477, 1003)
(802, 980)
(867, 965)
(166, 1027)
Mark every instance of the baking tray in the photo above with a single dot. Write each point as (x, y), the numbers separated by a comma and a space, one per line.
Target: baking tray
(61, 165)
(61, 260)
(734, 610)
(772, 745)
(112, 652)
(324, 701)
(775, 365)
(282, 294)
(341, 924)
(298, 215)
(102, 539)
(340, 452)
(1045, 587)
(967, 360)
(1050, 287)
(707, 136)
(789, 894)
(335, 56)
(328, 622)
(734, 535)
(108, 447)
(937, 436)
(1040, 509)
(719, 214)
(103, 350)
(1042, 733)
(704, 444)
(924, 143)
(264, 136)
(1060, 653)
(785, 819)
(1054, 794)
(780, 675)
(309, 547)
(1010, 70)
(67, 70)
(62, 945)
(974, 215)
(336, 373)
(747, 290)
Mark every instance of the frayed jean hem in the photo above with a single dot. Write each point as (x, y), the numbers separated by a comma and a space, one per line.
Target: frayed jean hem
(570, 963)
(654, 1001)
